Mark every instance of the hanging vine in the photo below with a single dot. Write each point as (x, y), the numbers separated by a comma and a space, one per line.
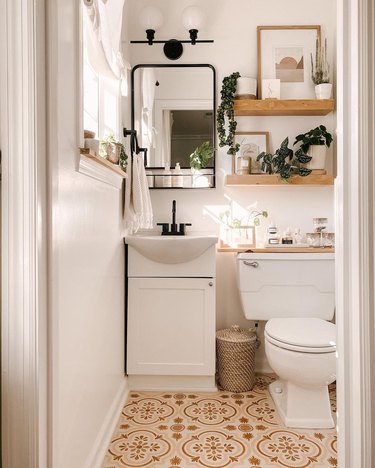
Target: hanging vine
(225, 112)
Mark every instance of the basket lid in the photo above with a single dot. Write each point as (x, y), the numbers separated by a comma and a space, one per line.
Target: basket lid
(236, 334)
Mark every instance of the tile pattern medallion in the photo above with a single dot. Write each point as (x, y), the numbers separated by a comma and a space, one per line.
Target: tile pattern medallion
(215, 430)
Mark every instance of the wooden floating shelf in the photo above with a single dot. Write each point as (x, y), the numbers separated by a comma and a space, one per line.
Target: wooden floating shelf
(274, 179)
(278, 107)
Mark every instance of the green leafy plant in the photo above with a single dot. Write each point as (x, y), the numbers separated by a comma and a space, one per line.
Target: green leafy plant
(226, 123)
(284, 162)
(315, 136)
(253, 216)
(111, 140)
(320, 71)
(201, 156)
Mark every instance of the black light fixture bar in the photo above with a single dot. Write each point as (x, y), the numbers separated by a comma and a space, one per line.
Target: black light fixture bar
(182, 42)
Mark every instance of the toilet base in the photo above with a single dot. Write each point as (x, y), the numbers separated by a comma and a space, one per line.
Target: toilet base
(302, 407)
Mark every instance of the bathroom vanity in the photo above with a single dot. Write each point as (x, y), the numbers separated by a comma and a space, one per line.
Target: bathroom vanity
(171, 311)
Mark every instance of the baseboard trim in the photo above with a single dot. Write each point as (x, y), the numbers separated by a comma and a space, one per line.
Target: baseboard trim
(169, 383)
(103, 440)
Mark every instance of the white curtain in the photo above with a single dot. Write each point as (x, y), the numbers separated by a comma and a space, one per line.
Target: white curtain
(167, 136)
(148, 101)
(103, 25)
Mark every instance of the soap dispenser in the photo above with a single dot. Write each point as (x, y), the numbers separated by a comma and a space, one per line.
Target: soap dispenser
(177, 179)
(167, 182)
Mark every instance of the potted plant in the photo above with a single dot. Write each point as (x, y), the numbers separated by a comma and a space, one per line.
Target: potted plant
(314, 143)
(199, 159)
(284, 162)
(113, 150)
(320, 71)
(240, 232)
(226, 123)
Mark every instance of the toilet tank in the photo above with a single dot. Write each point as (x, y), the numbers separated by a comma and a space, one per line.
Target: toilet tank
(286, 285)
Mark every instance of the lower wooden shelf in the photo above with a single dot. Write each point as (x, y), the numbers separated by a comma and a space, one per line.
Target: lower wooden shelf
(274, 179)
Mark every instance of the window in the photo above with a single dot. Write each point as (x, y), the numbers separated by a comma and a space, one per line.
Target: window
(101, 100)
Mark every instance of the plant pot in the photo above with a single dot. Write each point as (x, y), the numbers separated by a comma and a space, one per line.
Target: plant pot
(323, 91)
(318, 154)
(246, 88)
(200, 179)
(113, 151)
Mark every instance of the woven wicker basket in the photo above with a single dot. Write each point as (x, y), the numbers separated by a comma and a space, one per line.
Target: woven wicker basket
(236, 359)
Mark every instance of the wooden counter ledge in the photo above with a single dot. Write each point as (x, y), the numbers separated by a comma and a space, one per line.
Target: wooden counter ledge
(278, 249)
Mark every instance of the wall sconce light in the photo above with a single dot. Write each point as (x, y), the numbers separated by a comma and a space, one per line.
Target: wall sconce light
(192, 18)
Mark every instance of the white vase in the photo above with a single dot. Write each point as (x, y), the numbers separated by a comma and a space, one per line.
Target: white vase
(323, 91)
(246, 88)
(318, 154)
(199, 179)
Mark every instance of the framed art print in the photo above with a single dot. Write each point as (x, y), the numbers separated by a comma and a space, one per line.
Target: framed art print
(284, 54)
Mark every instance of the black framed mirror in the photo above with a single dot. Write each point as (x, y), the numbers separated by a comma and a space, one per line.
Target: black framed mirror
(174, 112)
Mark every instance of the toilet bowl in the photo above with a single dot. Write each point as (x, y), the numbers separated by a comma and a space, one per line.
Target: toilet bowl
(295, 293)
(302, 352)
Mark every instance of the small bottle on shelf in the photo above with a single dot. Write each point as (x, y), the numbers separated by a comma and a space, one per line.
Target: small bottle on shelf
(287, 237)
(167, 179)
(297, 236)
(177, 178)
(273, 237)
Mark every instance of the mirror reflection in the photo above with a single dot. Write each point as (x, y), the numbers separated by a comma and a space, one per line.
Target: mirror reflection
(173, 112)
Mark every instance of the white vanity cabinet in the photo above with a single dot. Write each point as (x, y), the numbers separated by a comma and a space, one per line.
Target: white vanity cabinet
(171, 326)
(171, 314)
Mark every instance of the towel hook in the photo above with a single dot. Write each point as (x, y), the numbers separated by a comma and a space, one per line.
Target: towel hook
(134, 146)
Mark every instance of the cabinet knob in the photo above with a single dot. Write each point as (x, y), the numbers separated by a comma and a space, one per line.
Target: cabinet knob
(210, 283)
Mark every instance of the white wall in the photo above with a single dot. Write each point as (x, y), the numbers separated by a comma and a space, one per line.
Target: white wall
(232, 25)
(86, 269)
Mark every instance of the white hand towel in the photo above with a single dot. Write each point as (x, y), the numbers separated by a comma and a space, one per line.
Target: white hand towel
(137, 206)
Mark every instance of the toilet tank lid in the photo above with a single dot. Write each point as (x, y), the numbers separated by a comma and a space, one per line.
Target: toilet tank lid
(307, 332)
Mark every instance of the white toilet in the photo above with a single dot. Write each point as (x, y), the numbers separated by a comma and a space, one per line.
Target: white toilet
(295, 293)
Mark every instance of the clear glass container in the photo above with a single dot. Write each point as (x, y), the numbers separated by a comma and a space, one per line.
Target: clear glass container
(320, 224)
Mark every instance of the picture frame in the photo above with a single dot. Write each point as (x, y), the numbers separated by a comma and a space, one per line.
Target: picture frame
(271, 89)
(251, 145)
(284, 53)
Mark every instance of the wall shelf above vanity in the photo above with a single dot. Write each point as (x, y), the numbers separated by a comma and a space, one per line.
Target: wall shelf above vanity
(274, 179)
(279, 107)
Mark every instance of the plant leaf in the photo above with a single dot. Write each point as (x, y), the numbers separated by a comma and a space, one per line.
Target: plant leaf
(303, 171)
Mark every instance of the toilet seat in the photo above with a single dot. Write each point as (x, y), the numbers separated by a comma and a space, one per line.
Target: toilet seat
(307, 335)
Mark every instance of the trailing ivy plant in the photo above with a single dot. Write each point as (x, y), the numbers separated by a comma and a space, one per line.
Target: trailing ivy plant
(201, 156)
(226, 123)
(284, 162)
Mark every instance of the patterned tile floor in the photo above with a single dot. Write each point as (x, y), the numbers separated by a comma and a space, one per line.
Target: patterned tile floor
(215, 430)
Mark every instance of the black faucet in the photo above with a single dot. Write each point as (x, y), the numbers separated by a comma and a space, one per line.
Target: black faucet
(174, 231)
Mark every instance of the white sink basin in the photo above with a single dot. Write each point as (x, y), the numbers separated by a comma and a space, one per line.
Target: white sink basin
(171, 249)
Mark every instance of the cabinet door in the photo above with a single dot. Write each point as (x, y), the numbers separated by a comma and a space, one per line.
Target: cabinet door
(171, 326)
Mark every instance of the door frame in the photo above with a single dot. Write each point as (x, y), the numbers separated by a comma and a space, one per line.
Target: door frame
(23, 234)
(354, 190)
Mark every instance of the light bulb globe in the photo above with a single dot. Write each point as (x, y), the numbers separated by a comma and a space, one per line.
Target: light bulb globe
(193, 18)
(150, 18)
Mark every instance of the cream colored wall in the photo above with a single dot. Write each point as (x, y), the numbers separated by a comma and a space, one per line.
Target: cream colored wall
(233, 27)
(86, 270)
